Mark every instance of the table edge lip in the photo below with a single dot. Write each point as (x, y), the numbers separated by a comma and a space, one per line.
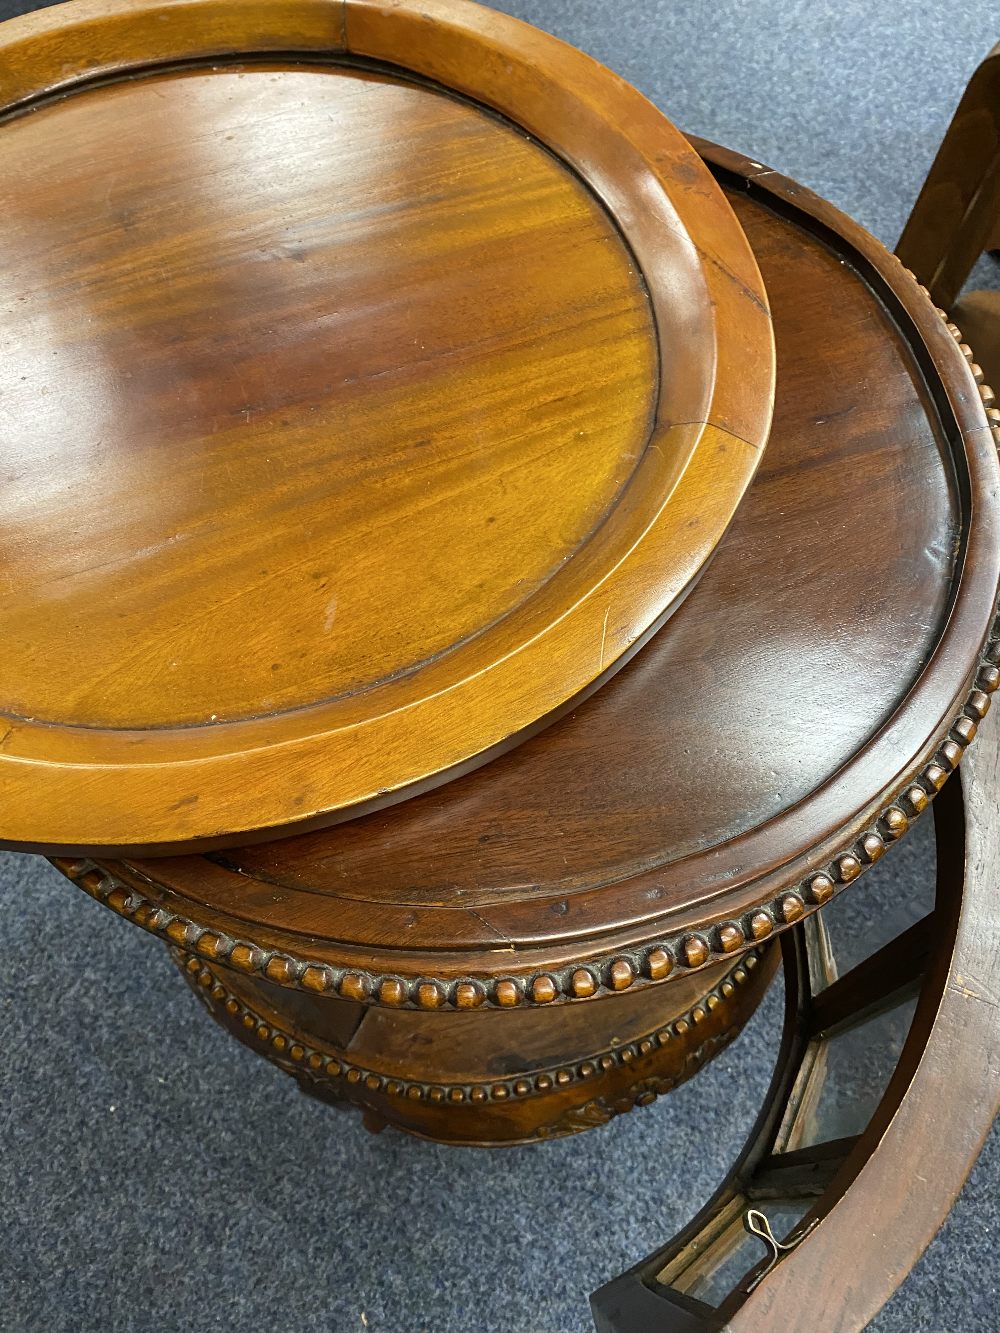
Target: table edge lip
(372, 759)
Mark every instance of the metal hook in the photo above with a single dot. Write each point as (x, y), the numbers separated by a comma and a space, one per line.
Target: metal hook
(758, 1225)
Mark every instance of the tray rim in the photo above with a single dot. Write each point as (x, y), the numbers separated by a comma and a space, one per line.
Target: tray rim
(721, 415)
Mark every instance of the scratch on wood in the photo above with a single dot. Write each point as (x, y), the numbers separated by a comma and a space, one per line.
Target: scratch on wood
(604, 636)
(960, 987)
(508, 946)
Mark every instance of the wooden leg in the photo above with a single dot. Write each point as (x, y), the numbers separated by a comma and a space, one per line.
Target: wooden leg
(957, 214)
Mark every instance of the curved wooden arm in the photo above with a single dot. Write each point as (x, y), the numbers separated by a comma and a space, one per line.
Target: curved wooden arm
(863, 1248)
(880, 1197)
(957, 213)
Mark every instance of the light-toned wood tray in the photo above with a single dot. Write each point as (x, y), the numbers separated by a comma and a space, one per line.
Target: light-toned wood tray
(376, 380)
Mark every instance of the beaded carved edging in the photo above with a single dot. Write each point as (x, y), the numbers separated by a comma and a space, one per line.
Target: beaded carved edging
(321, 1066)
(985, 392)
(603, 1109)
(649, 964)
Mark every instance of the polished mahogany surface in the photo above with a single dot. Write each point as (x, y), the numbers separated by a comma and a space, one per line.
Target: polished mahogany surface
(252, 373)
(744, 766)
(361, 419)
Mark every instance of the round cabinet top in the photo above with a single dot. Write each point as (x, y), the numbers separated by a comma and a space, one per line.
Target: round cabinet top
(364, 407)
(805, 705)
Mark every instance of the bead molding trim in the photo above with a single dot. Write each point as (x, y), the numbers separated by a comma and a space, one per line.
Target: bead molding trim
(646, 965)
(604, 1109)
(329, 1065)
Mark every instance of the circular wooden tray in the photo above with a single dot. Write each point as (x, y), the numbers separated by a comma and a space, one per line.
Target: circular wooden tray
(805, 705)
(376, 381)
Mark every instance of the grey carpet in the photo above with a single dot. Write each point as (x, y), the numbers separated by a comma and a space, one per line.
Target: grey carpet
(156, 1176)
